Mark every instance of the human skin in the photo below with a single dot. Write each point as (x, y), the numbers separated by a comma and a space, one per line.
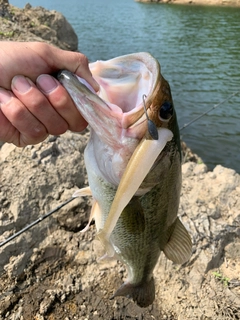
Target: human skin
(33, 104)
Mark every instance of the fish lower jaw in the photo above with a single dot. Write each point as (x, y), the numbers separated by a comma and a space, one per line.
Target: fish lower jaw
(109, 162)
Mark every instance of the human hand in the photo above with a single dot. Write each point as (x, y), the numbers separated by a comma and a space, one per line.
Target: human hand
(33, 104)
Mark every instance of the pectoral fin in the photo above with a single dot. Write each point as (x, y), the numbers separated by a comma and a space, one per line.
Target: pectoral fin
(94, 213)
(179, 247)
(83, 192)
(138, 167)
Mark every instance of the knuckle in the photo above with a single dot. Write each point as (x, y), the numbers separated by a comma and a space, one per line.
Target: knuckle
(59, 129)
(30, 139)
(60, 101)
(82, 61)
(37, 132)
(41, 47)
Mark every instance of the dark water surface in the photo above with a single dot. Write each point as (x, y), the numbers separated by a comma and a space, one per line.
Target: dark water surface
(199, 51)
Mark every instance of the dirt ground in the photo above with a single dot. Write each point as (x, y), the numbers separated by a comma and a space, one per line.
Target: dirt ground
(53, 270)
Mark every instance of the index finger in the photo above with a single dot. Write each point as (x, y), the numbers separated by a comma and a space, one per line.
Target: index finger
(75, 62)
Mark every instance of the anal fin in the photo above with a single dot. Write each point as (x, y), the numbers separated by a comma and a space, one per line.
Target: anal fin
(179, 247)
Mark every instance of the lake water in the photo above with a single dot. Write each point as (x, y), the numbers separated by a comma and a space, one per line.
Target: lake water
(198, 48)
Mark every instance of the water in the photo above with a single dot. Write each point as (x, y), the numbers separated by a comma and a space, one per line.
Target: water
(199, 51)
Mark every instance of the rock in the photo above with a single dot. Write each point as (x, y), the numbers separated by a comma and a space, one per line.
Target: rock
(6, 149)
(36, 24)
(16, 265)
(82, 257)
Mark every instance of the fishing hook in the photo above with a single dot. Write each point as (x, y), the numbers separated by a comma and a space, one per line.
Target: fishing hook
(152, 129)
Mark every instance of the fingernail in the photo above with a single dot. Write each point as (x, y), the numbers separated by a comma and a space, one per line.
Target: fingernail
(21, 84)
(46, 83)
(5, 96)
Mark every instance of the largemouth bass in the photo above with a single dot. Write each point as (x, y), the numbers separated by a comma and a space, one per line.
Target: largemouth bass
(133, 161)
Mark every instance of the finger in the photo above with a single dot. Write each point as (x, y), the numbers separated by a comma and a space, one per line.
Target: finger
(73, 61)
(38, 105)
(62, 102)
(17, 124)
(35, 58)
(8, 133)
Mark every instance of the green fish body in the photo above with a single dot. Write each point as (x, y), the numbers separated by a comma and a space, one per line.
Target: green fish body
(135, 180)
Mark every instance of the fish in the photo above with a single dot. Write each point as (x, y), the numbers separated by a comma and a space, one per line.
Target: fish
(133, 162)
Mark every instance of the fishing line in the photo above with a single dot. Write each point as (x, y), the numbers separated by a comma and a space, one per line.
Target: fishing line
(206, 112)
(15, 235)
(36, 222)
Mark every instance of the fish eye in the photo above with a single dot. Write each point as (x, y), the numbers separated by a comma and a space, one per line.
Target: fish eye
(166, 111)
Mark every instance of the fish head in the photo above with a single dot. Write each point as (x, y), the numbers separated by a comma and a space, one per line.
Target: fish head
(116, 113)
(160, 108)
(125, 81)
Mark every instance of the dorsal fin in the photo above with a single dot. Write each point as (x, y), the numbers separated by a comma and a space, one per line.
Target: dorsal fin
(179, 247)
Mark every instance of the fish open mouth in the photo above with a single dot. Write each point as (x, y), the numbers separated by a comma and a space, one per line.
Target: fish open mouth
(117, 110)
(123, 82)
(117, 113)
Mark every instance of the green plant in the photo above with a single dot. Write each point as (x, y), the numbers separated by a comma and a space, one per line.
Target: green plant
(7, 34)
(221, 278)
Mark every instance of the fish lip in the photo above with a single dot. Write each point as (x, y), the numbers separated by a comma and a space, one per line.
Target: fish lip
(65, 77)
(150, 63)
(64, 74)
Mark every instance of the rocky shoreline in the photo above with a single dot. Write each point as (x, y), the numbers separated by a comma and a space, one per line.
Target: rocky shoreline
(36, 24)
(52, 271)
(225, 3)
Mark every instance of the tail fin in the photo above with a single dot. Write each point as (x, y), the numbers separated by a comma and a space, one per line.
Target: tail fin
(143, 294)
